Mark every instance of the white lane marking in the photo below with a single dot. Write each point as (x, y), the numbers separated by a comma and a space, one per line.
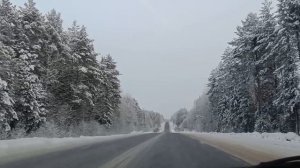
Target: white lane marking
(123, 159)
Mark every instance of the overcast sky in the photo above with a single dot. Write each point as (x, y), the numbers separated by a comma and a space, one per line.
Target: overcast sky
(165, 49)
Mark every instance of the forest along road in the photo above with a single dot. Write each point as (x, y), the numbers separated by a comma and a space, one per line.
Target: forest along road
(164, 150)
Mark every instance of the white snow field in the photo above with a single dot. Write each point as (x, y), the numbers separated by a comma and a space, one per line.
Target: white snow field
(16, 149)
(252, 147)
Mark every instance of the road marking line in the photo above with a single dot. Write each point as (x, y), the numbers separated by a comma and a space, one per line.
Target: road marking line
(123, 159)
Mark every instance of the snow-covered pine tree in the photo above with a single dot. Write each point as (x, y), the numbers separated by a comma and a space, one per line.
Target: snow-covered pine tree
(7, 112)
(53, 69)
(229, 94)
(8, 22)
(112, 74)
(217, 97)
(53, 50)
(249, 87)
(200, 117)
(57, 65)
(203, 118)
(110, 97)
(128, 119)
(28, 88)
(81, 76)
(53, 18)
(289, 18)
(33, 35)
(155, 118)
(260, 74)
(58, 58)
(287, 95)
(288, 49)
(287, 90)
(179, 117)
(265, 69)
(233, 83)
(128, 109)
(8, 18)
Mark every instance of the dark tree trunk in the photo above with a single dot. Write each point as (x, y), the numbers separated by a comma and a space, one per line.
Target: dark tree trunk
(297, 115)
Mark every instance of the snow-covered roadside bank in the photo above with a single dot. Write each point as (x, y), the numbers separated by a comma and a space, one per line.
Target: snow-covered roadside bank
(172, 127)
(16, 149)
(252, 147)
(162, 127)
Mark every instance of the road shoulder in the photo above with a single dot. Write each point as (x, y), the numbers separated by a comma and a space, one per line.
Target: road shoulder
(25, 148)
(252, 153)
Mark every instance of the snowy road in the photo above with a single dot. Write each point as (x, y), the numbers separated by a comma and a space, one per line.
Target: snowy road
(141, 151)
(179, 151)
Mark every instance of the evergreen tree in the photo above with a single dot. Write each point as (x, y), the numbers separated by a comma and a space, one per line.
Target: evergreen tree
(129, 117)
(287, 95)
(8, 23)
(248, 89)
(289, 19)
(110, 90)
(45, 68)
(7, 112)
(80, 76)
(229, 95)
(28, 89)
(288, 49)
(266, 69)
(179, 117)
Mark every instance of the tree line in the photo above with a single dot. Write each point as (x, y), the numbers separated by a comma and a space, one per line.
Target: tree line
(256, 85)
(49, 74)
(133, 118)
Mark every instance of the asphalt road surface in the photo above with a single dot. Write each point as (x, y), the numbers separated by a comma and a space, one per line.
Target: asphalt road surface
(164, 150)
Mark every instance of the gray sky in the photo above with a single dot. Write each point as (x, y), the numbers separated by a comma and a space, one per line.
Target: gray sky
(165, 49)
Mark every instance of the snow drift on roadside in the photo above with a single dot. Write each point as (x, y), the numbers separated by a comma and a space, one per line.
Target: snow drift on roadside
(283, 137)
(266, 146)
